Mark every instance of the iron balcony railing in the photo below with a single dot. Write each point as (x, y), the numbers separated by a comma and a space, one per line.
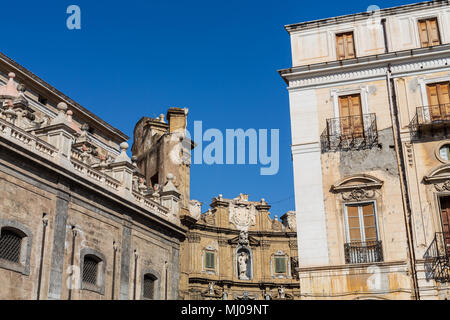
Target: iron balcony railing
(430, 119)
(436, 257)
(363, 252)
(350, 133)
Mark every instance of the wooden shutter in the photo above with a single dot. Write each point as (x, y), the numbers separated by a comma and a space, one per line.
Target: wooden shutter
(280, 265)
(370, 227)
(429, 32)
(423, 33)
(349, 45)
(356, 115)
(433, 102)
(433, 32)
(354, 231)
(209, 257)
(444, 99)
(340, 46)
(445, 213)
(345, 46)
(350, 113)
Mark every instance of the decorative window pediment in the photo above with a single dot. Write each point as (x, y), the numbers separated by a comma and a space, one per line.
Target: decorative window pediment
(357, 187)
(440, 177)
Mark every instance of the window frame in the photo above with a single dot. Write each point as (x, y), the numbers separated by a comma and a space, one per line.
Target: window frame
(339, 33)
(157, 283)
(422, 19)
(99, 287)
(23, 266)
(361, 220)
(213, 253)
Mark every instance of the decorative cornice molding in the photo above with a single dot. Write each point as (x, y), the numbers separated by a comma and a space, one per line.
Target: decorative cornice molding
(367, 67)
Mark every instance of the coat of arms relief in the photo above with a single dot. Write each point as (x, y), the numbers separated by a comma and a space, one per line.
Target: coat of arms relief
(242, 216)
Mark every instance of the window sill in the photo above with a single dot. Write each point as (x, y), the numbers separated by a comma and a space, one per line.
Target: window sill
(16, 267)
(92, 288)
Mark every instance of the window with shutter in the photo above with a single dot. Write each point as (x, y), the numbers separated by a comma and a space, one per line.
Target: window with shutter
(361, 222)
(429, 32)
(345, 46)
(209, 260)
(280, 264)
(351, 118)
(439, 101)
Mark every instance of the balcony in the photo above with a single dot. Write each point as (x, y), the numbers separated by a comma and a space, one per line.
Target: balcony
(436, 257)
(350, 133)
(430, 120)
(363, 252)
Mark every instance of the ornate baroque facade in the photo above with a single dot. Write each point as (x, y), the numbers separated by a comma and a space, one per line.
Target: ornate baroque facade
(370, 115)
(236, 251)
(79, 219)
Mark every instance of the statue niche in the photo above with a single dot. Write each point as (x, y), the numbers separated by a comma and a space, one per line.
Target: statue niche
(244, 263)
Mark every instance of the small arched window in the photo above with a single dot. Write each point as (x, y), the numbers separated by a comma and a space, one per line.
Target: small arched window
(149, 286)
(91, 269)
(11, 245)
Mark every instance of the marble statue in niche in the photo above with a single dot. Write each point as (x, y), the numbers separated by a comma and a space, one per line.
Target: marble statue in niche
(243, 265)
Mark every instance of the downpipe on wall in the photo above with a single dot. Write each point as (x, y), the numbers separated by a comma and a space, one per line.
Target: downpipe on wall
(403, 183)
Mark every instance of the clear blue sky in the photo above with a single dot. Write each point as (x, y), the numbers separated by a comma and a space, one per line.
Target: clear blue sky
(137, 58)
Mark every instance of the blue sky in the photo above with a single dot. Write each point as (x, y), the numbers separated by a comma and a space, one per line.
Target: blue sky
(137, 58)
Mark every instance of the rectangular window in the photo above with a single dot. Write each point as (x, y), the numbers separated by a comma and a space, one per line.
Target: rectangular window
(439, 100)
(351, 118)
(361, 222)
(280, 264)
(429, 32)
(209, 260)
(345, 46)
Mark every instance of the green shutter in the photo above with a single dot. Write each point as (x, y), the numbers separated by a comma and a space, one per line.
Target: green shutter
(209, 263)
(280, 265)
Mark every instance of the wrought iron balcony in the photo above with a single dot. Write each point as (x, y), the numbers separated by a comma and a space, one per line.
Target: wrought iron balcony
(350, 133)
(429, 119)
(436, 257)
(363, 252)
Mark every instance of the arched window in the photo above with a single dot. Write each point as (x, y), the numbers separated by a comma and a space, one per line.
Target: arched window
(11, 245)
(149, 286)
(15, 246)
(93, 268)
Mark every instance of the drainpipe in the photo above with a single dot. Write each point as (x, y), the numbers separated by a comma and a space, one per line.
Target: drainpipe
(114, 270)
(135, 273)
(74, 234)
(165, 286)
(403, 181)
(45, 224)
(386, 46)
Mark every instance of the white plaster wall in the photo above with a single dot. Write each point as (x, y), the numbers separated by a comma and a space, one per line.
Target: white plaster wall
(317, 45)
(311, 221)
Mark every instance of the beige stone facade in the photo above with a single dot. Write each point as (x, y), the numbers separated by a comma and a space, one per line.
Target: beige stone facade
(235, 251)
(79, 219)
(368, 100)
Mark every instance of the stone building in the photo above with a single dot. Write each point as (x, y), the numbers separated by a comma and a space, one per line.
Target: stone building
(235, 251)
(79, 219)
(369, 104)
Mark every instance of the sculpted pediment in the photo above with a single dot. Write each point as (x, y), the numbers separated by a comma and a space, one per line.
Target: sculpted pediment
(440, 177)
(357, 187)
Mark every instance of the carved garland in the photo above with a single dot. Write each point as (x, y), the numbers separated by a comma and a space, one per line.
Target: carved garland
(358, 194)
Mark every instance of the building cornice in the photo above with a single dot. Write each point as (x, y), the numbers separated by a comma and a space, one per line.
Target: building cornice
(20, 70)
(364, 15)
(369, 67)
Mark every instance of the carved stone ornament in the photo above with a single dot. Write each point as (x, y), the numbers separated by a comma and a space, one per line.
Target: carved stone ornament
(242, 216)
(243, 238)
(358, 194)
(445, 186)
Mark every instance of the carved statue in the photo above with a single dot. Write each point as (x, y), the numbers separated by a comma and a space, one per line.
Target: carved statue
(242, 261)
(281, 292)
